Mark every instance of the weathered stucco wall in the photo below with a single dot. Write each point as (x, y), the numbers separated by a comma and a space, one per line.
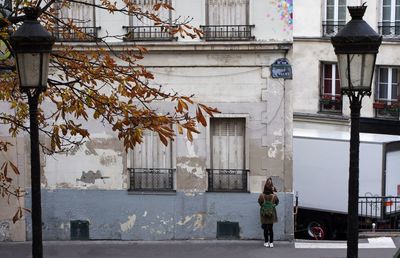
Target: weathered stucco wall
(122, 216)
(10, 231)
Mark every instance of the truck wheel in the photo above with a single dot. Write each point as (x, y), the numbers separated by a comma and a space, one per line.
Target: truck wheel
(316, 230)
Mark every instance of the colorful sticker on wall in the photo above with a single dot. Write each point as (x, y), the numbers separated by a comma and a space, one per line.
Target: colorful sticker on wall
(285, 8)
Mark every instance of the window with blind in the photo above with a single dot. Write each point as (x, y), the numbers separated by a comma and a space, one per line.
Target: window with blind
(390, 25)
(331, 98)
(227, 20)
(227, 172)
(335, 16)
(386, 103)
(83, 17)
(151, 165)
(142, 28)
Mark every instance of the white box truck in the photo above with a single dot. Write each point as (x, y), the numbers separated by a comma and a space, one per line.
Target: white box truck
(320, 180)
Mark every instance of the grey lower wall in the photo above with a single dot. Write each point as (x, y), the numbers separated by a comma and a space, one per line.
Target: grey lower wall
(118, 215)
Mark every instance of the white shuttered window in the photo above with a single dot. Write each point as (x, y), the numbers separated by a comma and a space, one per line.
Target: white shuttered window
(228, 143)
(152, 153)
(228, 12)
(81, 14)
(147, 6)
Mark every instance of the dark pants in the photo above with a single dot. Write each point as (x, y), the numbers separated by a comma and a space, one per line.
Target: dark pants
(268, 232)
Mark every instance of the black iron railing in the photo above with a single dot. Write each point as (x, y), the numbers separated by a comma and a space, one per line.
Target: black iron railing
(331, 28)
(82, 34)
(387, 109)
(381, 213)
(147, 33)
(389, 29)
(330, 103)
(227, 32)
(227, 180)
(151, 179)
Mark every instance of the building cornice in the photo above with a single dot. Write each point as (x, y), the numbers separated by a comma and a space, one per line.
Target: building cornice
(253, 46)
(385, 41)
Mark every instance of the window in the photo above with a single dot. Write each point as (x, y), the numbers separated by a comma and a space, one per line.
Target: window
(143, 29)
(331, 99)
(83, 17)
(390, 25)
(151, 165)
(227, 20)
(227, 171)
(335, 17)
(386, 103)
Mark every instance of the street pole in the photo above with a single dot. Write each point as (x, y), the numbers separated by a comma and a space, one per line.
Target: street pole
(352, 217)
(37, 245)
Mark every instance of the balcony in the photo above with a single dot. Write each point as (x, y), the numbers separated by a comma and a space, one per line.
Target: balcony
(386, 109)
(330, 103)
(151, 179)
(227, 180)
(389, 29)
(227, 32)
(147, 33)
(81, 34)
(330, 28)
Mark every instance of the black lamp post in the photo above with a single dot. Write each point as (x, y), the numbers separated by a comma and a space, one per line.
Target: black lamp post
(32, 45)
(356, 46)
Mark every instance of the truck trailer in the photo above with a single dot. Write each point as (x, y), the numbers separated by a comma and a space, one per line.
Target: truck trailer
(320, 182)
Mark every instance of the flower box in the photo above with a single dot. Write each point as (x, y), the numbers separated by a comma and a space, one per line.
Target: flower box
(378, 105)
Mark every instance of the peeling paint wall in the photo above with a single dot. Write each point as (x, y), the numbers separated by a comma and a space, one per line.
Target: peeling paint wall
(156, 217)
(98, 164)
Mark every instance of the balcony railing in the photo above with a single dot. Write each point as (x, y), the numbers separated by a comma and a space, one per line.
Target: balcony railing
(330, 103)
(389, 29)
(330, 28)
(227, 180)
(227, 32)
(147, 33)
(387, 109)
(381, 213)
(82, 34)
(151, 179)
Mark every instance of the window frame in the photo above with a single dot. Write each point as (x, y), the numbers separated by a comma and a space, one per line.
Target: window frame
(131, 169)
(90, 31)
(387, 107)
(245, 170)
(147, 32)
(389, 27)
(332, 26)
(227, 32)
(333, 98)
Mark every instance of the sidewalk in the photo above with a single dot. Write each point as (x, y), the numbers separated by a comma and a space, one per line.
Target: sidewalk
(194, 249)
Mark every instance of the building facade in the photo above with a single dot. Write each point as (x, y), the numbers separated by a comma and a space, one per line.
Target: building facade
(204, 189)
(320, 112)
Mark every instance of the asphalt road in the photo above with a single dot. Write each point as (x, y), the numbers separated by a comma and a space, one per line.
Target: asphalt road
(186, 249)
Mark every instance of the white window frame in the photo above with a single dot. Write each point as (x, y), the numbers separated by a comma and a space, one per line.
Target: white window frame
(171, 144)
(335, 11)
(392, 12)
(389, 86)
(246, 138)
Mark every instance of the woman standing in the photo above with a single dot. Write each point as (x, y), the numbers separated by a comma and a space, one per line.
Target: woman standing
(268, 200)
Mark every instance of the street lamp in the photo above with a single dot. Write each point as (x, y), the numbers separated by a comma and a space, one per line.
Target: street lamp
(356, 46)
(32, 45)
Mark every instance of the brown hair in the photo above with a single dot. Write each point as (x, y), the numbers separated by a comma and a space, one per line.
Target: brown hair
(269, 187)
